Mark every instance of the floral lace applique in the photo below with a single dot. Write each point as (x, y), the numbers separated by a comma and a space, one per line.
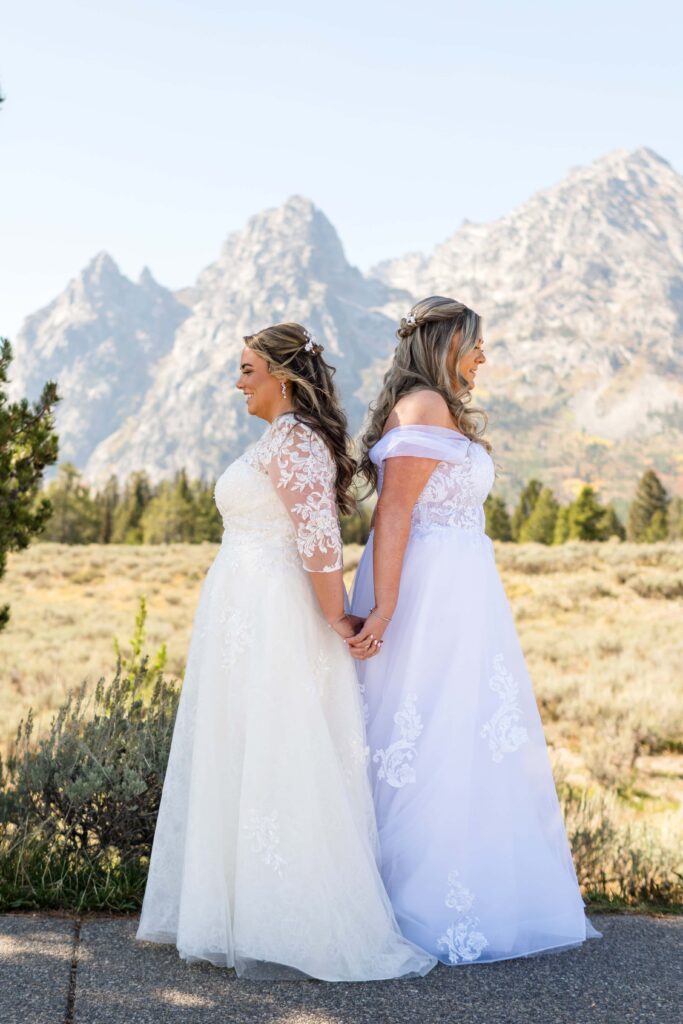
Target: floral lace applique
(303, 472)
(236, 635)
(395, 763)
(364, 702)
(502, 730)
(454, 495)
(462, 939)
(459, 897)
(264, 834)
(320, 673)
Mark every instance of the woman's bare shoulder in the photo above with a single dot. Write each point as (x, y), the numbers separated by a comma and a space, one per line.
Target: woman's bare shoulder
(427, 407)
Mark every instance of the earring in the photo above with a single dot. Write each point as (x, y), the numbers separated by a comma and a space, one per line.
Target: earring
(283, 389)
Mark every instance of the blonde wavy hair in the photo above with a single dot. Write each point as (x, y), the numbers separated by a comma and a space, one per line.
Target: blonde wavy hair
(293, 355)
(421, 361)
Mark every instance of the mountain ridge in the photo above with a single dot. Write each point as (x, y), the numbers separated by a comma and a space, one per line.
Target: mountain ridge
(580, 286)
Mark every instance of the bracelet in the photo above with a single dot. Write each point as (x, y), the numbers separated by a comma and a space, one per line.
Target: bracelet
(373, 611)
(331, 625)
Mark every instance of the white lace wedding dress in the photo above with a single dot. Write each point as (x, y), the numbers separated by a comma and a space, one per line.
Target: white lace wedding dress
(474, 852)
(265, 850)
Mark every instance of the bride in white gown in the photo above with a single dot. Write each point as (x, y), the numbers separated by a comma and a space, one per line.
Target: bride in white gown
(265, 851)
(474, 852)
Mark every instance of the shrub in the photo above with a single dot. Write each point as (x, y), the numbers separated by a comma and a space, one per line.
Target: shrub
(617, 864)
(78, 806)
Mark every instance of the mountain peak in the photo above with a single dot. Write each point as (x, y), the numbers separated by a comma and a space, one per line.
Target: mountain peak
(297, 215)
(645, 154)
(100, 267)
(293, 239)
(147, 279)
(302, 205)
(624, 163)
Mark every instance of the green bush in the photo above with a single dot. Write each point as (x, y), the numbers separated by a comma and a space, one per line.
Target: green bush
(78, 806)
(617, 865)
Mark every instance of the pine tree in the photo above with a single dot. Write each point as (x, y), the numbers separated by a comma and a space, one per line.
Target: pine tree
(611, 525)
(137, 494)
(561, 531)
(498, 525)
(207, 522)
(648, 514)
(540, 526)
(525, 506)
(676, 519)
(106, 503)
(74, 517)
(169, 516)
(585, 516)
(28, 443)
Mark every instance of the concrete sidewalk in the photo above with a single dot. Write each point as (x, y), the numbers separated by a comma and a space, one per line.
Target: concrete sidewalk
(60, 971)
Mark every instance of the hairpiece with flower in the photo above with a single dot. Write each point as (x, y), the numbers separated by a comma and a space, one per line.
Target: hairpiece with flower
(410, 320)
(311, 344)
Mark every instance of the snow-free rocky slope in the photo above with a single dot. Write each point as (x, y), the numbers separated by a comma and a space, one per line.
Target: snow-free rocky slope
(287, 264)
(582, 291)
(101, 339)
(581, 288)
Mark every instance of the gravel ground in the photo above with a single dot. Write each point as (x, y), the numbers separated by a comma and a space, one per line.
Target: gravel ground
(48, 973)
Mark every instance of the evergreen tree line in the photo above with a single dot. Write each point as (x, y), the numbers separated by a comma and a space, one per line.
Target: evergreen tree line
(539, 517)
(137, 512)
(182, 510)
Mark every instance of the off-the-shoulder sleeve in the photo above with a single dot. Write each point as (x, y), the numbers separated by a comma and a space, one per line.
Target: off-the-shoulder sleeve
(421, 442)
(303, 472)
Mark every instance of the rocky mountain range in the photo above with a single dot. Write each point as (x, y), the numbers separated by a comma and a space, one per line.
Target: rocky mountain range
(581, 289)
(287, 264)
(102, 340)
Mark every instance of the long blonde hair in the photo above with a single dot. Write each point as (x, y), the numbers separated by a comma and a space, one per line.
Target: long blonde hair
(293, 355)
(425, 337)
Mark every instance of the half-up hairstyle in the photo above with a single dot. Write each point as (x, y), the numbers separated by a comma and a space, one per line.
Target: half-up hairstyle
(420, 362)
(293, 355)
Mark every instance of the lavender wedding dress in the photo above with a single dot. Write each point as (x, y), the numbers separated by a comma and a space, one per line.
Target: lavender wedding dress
(265, 852)
(474, 852)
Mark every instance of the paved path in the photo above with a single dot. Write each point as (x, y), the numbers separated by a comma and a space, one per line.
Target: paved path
(59, 971)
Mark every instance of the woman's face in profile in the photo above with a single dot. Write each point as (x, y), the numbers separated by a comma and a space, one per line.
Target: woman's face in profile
(260, 389)
(469, 363)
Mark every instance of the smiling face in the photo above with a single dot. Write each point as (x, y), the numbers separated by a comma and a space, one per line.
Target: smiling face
(469, 362)
(262, 391)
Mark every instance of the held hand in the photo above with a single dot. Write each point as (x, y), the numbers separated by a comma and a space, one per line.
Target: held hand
(346, 626)
(356, 621)
(368, 640)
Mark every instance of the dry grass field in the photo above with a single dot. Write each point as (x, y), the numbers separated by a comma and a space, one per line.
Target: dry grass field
(601, 626)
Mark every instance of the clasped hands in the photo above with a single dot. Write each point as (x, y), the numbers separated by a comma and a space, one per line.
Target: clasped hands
(363, 637)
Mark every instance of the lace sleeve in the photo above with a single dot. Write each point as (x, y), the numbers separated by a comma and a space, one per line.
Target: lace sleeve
(303, 473)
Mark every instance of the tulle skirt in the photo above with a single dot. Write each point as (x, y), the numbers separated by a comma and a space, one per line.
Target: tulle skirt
(265, 852)
(474, 852)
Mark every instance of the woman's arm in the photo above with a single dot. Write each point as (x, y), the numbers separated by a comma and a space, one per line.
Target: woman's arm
(329, 590)
(404, 481)
(303, 475)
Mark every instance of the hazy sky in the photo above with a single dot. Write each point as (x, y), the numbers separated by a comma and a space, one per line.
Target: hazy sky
(151, 129)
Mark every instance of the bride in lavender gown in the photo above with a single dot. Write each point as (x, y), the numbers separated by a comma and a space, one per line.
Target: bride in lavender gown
(264, 855)
(474, 852)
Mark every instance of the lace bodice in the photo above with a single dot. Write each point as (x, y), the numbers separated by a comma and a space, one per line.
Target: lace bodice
(282, 490)
(455, 493)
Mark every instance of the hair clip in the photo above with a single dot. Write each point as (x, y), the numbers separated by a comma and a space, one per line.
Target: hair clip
(410, 320)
